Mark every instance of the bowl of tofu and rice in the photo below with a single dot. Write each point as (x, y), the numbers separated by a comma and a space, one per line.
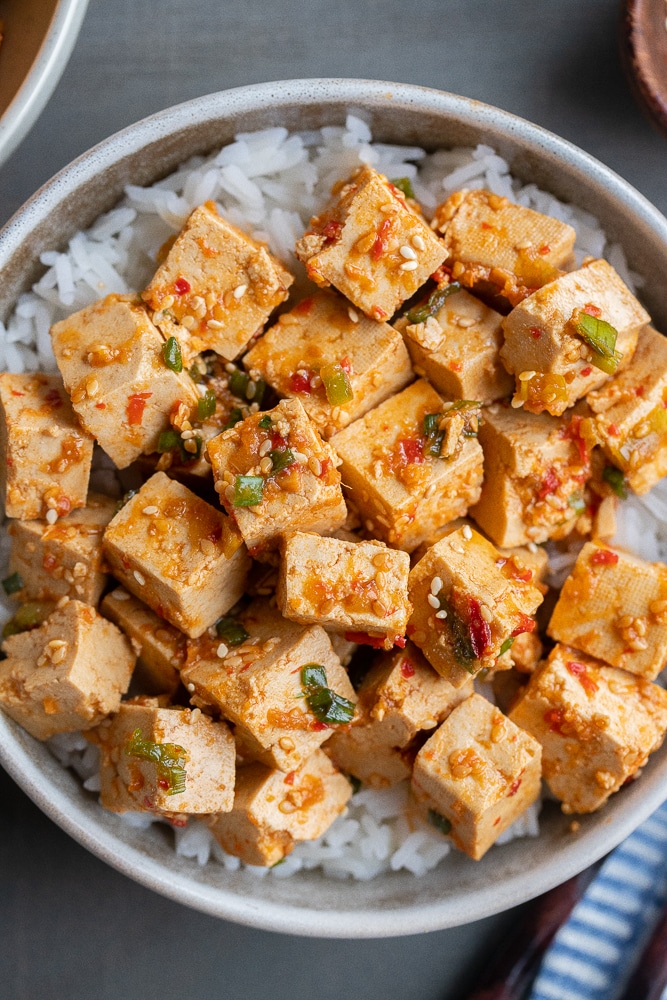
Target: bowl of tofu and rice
(75, 242)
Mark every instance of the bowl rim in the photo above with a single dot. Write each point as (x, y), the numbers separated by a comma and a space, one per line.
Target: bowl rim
(43, 77)
(304, 920)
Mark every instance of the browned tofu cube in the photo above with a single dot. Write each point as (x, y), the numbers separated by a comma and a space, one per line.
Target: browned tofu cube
(165, 760)
(499, 246)
(216, 287)
(336, 361)
(274, 473)
(405, 482)
(555, 364)
(67, 674)
(535, 470)
(597, 726)
(65, 558)
(344, 586)
(458, 348)
(257, 685)
(468, 603)
(111, 359)
(178, 554)
(370, 245)
(631, 414)
(273, 810)
(478, 771)
(45, 455)
(161, 647)
(614, 606)
(400, 697)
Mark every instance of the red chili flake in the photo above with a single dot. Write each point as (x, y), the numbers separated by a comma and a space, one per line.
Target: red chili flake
(535, 332)
(545, 249)
(126, 563)
(178, 821)
(326, 463)
(346, 365)
(289, 778)
(303, 308)
(486, 225)
(136, 404)
(639, 390)
(163, 784)
(573, 433)
(15, 392)
(480, 633)
(550, 484)
(407, 668)
(400, 641)
(331, 232)
(54, 398)
(579, 671)
(100, 406)
(181, 286)
(411, 629)
(613, 431)
(299, 383)
(215, 534)
(591, 309)
(49, 562)
(63, 505)
(159, 610)
(604, 557)
(380, 244)
(278, 441)
(496, 821)
(455, 366)
(318, 727)
(526, 624)
(554, 718)
(442, 274)
(514, 788)
(586, 371)
(411, 451)
(377, 642)
(148, 804)
(524, 575)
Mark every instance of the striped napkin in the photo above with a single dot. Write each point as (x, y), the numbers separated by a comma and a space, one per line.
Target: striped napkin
(595, 951)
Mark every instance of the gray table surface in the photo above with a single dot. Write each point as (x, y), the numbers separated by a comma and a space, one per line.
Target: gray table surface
(70, 927)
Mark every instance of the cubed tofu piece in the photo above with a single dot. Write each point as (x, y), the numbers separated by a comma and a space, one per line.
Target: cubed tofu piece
(480, 772)
(346, 586)
(257, 685)
(631, 416)
(501, 247)
(178, 554)
(370, 245)
(161, 647)
(400, 697)
(458, 349)
(111, 359)
(597, 725)
(273, 810)
(337, 362)
(65, 558)
(554, 365)
(45, 455)
(67, 674)
(274, 473)
(535, 471)
(402, 489)
(614, 606)
(165, 760)
(468, 602)
(216, 287)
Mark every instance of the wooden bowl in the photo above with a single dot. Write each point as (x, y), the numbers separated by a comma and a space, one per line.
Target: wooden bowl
(643, 44)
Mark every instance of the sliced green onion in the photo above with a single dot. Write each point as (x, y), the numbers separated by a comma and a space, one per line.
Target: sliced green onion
(459, 632)
(601, 338)
(124, 499)
(404, 184)
(168, 441)
(195, 374)
(248, 491)
(313, 675)
(577, 503)
(325, 704)
(29, 615)
(508, 643)
(439, 822)
(239, 383)
(336, 384)
(12, 583)
(266, 423)
(234, 416)
(434, 303)
(615, 478)
(232, 631)
(171, 352)
(167, 757)
(206, 405)
(281, 460)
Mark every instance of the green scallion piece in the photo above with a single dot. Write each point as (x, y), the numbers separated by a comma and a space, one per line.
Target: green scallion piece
(434, 303)
(404, 184)
(601, 338)
(195, 374)
(168, 441)
(29, 615)
(281, 460)
(232, 631)
(325, 704)
(206, 405)
(171, 351)
(266, 423)
(577, 503)
(508, 643)
(615, 478)
(238, 383)
(336, 384)
(12, 583)
(439, 822)
(248, 491)
(124, 499)
(167, 757)
(234, 416)
(459, 633)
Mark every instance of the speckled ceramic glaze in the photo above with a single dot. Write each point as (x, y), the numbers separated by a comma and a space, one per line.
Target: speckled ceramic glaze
(460, 890)
(39, 38)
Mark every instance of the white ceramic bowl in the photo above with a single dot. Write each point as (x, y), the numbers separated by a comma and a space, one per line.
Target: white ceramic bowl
(460, 890)
(39, 38)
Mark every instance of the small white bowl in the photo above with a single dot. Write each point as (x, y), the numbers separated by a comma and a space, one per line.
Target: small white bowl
(39, 38)
(460, 890)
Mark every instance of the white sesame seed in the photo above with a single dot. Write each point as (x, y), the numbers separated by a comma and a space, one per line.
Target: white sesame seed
(441, 615)
(188, 322)
(120, 595)
(186, 435)
(354, 316)
(214, 324)
(524, 245)
(517, 403)
(300, 457)
(418, 241)
(407, 252)
(202, 389)
(251, 390)
(51, 516)
(191, 688)
(230, 368)
(465, 322)
(151, 510)
(436, 585)
(485, 613)
(532, 547)
(141, 580)
(265, 448)
(433, 601)
(266, 465)
(167, 301)
(315, 465)
(526, 376)
(240, 291)
(222, 650)
(409, 265)
(467, 532)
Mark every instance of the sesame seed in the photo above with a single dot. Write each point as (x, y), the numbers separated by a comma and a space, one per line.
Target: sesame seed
(466, 532)
(354, 316)
(230, 368)
(251, 389)
(51, 516)
(441, 615)
(240, 291)
(315, 465)
(222, 650)
(433, 601)
(485, 613)
(188, 321)
(300, 457)
(141, 580)
(151, 510)
(526, 376)
(214, 324)
(532, 547)
(167, 301)
(389, 208)
(265, 448)
(409, 265)
(407, 252)
(517, 403)
(465, 322)
(524, 245)
(265, 465)
(418, 241)
(207, 547)
(65, 600)
(120, 595)
(436, 585)
(191, 688)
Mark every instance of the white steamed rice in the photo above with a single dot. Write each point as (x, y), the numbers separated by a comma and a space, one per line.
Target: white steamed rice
(269, 183)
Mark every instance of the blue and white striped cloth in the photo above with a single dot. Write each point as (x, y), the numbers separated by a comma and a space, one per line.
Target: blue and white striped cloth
(595, 951)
